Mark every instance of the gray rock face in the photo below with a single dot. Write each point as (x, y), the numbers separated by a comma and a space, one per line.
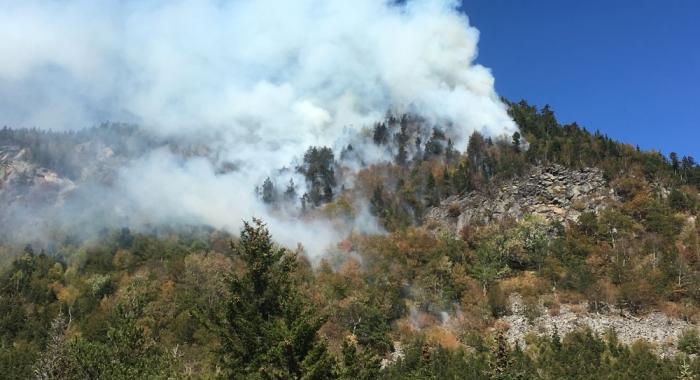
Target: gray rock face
(21, 180)
(656, 328)
(553, 192)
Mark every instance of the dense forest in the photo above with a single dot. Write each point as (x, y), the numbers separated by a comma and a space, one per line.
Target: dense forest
(201, 303)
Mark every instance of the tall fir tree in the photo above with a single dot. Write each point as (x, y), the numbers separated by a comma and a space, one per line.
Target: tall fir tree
(269, 330)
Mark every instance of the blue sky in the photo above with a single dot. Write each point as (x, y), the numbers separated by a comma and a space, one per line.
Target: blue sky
(630, 69)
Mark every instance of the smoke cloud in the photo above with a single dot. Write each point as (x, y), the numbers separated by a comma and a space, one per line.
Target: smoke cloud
(256, 81)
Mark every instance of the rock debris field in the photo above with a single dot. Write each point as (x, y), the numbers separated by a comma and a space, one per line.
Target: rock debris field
(656, 328)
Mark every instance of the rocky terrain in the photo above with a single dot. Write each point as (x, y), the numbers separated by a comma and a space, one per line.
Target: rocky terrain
(23, 181)
(656, 328)
(553, 192)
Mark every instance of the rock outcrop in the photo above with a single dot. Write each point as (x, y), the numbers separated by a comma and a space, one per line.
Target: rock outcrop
(25, 182)
(656, 328)
(553, 192)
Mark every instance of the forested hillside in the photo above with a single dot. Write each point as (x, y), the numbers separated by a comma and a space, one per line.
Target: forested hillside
(409, 300)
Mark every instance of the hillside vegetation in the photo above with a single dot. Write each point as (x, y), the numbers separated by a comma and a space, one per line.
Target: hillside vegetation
(415, 302)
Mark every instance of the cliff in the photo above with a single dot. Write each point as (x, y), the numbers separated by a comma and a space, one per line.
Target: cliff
(553, 192)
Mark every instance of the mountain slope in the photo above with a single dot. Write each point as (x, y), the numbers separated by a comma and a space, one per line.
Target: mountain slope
(581, 229)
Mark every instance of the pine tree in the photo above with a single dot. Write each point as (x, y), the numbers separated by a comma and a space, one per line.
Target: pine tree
(451, 154)
(358, 365)
(319, 364)
(401, 156)
(268, 329)
(418, 155)
(516, 141)
(381, 134)
(500, 358)
(318, 169)
(377, 203)
(291, 193)
(432, 195)
(268, 191)
(446, 182)
(477, 155)
(461, 179)
(434, 146)
(401, 139)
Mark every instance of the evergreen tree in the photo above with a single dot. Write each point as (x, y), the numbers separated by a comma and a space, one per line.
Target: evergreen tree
(290, 194)
(268, 191)
(318, 364)
(401, 139)
(381, 134)
(432, 195)
(268, 329)
(675, 163)
(434, 146)
(418, 155)
(358, 365)
(499, 357)
(451, 154)
(377, 203)
(318, 169)
(477, 155)
(401, 156)
(516, 141)
(461, 180)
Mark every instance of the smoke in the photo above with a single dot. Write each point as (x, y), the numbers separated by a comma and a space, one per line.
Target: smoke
(256, 81)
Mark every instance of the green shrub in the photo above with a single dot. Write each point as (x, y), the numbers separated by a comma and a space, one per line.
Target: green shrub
(689, 342)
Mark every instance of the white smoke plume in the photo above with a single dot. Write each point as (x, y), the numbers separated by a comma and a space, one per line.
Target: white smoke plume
(259, 81)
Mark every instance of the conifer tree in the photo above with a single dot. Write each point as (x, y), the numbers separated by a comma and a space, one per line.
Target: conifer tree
(516, 141)
(358, 365)
(268, 330)
(499, 357)
(381, 134)
(451, 154)
(377, 202)
(401, 156)
(432, 195)
(290, 194)
(268, 191)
